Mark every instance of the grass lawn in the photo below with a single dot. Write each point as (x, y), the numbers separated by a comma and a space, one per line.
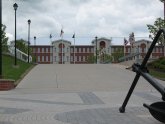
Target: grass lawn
(157, 74)
(11, 72)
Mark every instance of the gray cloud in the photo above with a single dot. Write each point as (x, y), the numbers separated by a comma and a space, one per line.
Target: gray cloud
(87, 18)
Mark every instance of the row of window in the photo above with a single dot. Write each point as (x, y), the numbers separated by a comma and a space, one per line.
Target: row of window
(42, 50)
(91, 50)
(61, 49)
(77, 50)
(66, 59)
(57, 59)
(44, 58)
(116, 49)
(141, 50)
(158, 50)
(82, 50)
(78, 58)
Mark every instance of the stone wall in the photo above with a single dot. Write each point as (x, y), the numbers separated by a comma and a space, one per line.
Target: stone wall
(6, 84)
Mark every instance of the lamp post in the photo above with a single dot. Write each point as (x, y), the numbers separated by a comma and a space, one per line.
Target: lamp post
(29, 21)
(96, 49)
(15, 8)
(35, 48)
(1, 39)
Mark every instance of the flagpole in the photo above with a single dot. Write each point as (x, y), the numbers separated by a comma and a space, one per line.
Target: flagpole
(50, 39)
(124, 52)
(61, 35)
(74, 49)
(62, 47)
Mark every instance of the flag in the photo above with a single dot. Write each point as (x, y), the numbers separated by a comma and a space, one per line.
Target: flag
(50, 36)
(61, 33)
(131, 39)
(125, 41)
(73, 35)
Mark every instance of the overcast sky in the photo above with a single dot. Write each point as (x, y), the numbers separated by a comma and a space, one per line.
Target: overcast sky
(87, 18)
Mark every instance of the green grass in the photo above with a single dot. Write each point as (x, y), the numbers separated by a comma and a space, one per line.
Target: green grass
(11, 72)
(157, 68)
(157, 74)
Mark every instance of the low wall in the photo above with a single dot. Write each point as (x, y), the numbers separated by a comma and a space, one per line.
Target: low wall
(6, 84)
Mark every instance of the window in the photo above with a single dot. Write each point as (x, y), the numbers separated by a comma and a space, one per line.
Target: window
(161, 49)
(75, 50)
(67, 49)
(144, 50)
(59, 58)
(64, 59)
(42, 50)
(71, 59)
(38, 50)
(50, 58)
(60, 49)
(84, 58)
(47, 50)
(55, 49)
(47, 59)
(71, 49)
(157, 50)
(83, 50)
(34, 50)
(87, 50)
(129, 50)
(67, 58)
(108, 50)
(55, 58)
(63, 49)
(38, 58)
(42, 58)
(75, 58)
(92, 50)
(51, 50)
(113, 49)
(79, 58)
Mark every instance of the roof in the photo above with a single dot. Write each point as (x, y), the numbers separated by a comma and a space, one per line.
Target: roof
(61, 40)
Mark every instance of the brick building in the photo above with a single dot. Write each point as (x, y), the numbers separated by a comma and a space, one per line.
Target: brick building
(62, 51)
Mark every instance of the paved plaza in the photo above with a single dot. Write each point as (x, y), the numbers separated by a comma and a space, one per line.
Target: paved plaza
(77, 94)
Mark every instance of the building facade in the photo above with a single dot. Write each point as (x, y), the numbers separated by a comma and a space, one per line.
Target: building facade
(62, 51)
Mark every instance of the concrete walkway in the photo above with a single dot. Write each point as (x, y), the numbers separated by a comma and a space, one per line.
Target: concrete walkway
(77, 94)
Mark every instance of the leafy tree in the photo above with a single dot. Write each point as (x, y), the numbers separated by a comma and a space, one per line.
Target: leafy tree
(91, 59)
(117, 54)
(22, 45)
(4, 39)
(107, 58)
(153, 29)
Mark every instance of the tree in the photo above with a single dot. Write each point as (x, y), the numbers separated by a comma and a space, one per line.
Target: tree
(22, 45)
(4, 39)
(153, 29)
(117, 54)
(91, 59)
(107, 58)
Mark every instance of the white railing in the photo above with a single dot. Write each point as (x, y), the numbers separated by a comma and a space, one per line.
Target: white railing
(20, 55)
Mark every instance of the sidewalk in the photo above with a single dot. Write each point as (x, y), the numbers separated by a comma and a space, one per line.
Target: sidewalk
(77, 94)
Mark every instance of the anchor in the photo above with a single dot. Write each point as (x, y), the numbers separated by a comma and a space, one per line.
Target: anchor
(156, 109)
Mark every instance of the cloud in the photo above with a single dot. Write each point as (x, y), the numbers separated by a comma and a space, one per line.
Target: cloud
(87, 18)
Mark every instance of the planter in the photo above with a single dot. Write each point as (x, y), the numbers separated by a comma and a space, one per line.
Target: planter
(6, 84)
